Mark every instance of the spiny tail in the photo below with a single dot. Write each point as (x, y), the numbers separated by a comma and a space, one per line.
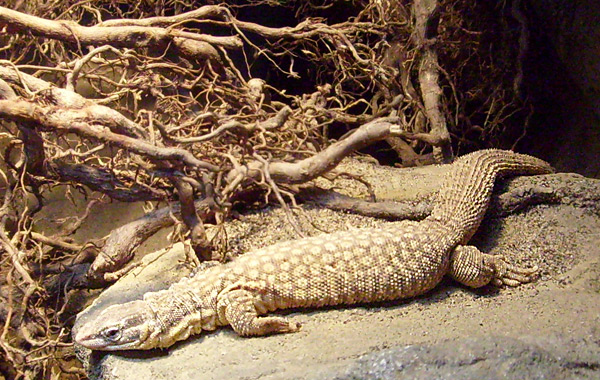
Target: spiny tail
(466, 191)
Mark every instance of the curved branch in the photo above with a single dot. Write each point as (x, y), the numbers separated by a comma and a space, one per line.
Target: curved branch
(271, 123)
(73, 76)
(117, 36)
(204, 12)
(311, 167)
(106, 182)
(70, 99)
(77, 121)
(123, 241)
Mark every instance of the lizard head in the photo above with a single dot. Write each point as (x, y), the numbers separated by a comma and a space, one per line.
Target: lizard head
(119, 327)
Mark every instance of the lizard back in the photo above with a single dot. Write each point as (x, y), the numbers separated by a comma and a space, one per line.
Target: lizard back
(400, 260)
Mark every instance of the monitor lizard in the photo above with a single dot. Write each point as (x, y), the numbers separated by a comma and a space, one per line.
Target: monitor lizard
(400, 260)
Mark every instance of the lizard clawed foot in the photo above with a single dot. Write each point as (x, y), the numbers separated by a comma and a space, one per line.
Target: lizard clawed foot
(238, 308)
(510, 275)
(273, 325)
(471, 267)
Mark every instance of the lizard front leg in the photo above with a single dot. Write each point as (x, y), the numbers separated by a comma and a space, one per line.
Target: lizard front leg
(237, 308)
(473, 268)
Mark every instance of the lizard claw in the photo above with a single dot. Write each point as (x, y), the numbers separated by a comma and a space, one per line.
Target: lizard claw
(511, 275)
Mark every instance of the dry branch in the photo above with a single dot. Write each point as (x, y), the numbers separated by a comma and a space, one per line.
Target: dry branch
(427, 16)
(122, 242)
(69, 99)
(78, 121)
(393, 210)
(190, 217)
(311, 167)
(105, 182)
(204, 12)
(514, 196)
(116, 36)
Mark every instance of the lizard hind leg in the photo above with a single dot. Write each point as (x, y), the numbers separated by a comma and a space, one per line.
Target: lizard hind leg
(237, 307)
(473, 268)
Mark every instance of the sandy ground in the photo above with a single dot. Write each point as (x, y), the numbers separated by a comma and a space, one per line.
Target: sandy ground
(562, 307)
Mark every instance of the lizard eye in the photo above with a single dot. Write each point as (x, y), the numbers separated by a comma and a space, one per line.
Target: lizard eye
(112, 333)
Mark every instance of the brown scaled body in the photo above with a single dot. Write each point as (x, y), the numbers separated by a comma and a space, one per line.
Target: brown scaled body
(401, 260)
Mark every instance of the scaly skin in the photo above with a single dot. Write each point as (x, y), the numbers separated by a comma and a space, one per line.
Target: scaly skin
(401, 260)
